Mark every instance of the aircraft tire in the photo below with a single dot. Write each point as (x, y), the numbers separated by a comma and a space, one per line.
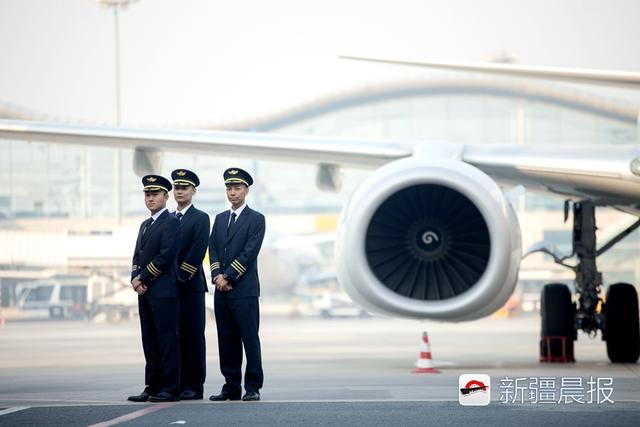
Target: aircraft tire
(557, 313)
(622, 328)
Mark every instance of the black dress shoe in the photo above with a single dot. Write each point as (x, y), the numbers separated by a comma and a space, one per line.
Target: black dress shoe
(163, 396)
(251, 396)
(142, 397)
(224, 395)
(190, 395)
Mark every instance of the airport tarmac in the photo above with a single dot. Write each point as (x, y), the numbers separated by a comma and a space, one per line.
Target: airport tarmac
(317, 371)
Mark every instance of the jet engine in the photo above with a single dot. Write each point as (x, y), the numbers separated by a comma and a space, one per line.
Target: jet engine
(429, 239)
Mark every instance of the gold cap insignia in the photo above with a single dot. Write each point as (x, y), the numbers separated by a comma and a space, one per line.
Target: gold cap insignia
(152, 179)
(181, 173)
(233, 171)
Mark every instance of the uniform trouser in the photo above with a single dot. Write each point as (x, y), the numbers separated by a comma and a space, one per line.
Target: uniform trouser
(192, 341)
(161, 344)
(237, 322)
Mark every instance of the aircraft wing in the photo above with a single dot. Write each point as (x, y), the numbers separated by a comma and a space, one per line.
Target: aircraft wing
(609, 175)
(626, 79)
(341, 151)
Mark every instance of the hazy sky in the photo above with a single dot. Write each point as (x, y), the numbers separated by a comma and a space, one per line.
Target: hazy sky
(193, 60)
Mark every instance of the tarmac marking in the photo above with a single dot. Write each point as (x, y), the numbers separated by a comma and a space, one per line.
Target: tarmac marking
(134, 415)
(45, 403)
(261, 402)
(12, 410)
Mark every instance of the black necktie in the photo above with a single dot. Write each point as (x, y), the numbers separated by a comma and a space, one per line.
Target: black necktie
(146, 227)
(179, 215)
(233, 220)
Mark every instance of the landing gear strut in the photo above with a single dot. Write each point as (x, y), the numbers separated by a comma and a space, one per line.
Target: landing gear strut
(617, 318)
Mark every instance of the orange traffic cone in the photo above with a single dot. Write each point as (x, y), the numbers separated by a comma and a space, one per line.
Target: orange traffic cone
(424, 364)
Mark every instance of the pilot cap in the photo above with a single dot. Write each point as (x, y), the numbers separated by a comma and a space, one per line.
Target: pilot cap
(185, 177)
(155, 183)
(237, 176)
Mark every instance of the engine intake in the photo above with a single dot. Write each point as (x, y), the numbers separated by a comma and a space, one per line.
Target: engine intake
(425, 239)
(428, 242)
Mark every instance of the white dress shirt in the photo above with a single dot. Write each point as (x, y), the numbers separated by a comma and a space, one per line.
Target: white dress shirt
(183, 211)
(237, 212)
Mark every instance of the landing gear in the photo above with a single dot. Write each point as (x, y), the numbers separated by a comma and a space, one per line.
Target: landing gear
(561, 319)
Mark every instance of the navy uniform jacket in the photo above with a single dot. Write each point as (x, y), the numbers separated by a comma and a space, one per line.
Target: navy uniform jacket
(235, 253)
(155, 256)
(194, 235)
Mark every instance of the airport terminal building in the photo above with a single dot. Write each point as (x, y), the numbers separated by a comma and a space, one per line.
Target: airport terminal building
(59, 186)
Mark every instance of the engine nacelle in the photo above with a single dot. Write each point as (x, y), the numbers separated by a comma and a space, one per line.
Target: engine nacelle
(429, 239)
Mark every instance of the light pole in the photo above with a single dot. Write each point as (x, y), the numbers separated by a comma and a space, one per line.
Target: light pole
(115, 5)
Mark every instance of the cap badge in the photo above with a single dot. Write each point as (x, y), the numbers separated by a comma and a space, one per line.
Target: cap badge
(233, 172)
(181, 173)
(152, 179)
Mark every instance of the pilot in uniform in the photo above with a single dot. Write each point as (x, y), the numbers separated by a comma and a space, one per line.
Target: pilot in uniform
(236, 238)
(192, 284)
(153, 277)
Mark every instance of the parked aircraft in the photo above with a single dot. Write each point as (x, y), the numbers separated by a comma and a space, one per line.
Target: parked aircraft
(432, 233)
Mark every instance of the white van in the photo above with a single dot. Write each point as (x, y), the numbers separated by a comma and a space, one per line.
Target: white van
(53, 299)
